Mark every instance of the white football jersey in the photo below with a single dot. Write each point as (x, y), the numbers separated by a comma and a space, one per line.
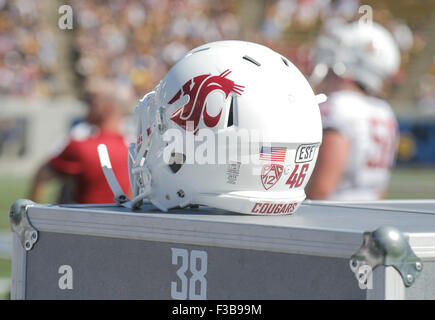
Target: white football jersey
(371, 127)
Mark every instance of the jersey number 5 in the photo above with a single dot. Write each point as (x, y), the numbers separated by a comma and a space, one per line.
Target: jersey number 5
(383, 136)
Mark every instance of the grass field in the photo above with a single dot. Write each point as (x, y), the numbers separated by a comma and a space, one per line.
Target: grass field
(5, 268)
(14, 188)
(412, 184)
(405, 184)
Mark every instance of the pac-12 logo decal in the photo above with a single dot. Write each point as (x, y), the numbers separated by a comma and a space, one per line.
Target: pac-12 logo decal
(270, 175)
(197, 89)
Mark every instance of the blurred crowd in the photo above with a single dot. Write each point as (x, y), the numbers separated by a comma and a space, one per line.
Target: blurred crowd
(28, 53)
(134, 42)
(293, 26)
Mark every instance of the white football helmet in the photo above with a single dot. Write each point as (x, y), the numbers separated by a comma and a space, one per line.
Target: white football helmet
(365, 52)
(254, 98)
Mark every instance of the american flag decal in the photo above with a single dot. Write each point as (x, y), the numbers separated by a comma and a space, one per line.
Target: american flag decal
(273, 153)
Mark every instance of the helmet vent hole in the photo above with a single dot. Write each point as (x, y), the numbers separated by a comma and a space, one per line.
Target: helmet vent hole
(248, 58)
(203, 49)
(285, 61)
(230, 121)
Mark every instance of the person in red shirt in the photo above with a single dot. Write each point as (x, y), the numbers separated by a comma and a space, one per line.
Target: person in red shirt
(78, 160)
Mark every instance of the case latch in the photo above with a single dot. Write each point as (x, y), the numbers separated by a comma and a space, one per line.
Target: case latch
(387, 246)
(20, 223)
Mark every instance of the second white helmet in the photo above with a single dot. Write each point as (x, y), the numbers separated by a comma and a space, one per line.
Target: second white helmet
(365, 52)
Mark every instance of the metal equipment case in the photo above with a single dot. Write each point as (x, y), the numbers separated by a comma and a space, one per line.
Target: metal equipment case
(110, 252)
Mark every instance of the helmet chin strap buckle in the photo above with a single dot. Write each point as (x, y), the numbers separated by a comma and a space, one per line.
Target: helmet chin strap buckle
(120, 198)
(145, 182)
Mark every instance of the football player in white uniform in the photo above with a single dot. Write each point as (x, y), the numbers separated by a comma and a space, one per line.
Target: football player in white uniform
(353, 63)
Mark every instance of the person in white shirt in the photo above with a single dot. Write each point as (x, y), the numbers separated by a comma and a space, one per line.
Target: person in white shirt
(360, 137)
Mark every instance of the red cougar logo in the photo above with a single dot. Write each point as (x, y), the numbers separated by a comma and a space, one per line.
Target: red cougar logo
(197, 89)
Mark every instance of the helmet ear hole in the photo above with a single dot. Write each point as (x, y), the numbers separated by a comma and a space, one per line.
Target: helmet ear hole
(176, 161)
